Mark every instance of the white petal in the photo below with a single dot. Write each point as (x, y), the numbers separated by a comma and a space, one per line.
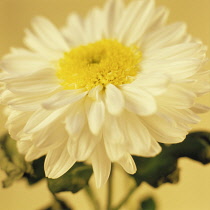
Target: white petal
(177, 69)
(95, 115)
(49, 34)
(50, 137)
(30, 84)
(101, 165)
(75, 120)
(114, 99)
(134, 17)
(177, 97)
(200, 108)
(16, 122)
(163, 131)
(155, 84)
(23, 61)
(93, 26)
(165, 36)
(23, 146)
(113, 12)
(63, 98)
(112, 132)
(158, 20)
(138, 136)
(178, 51)
(82, 147)
(34, 153)
(35, 44)
(58, 162)
(74, 31)
(138, 101)
(128, 163)
(42, 118)
(141, 22)
(154, 149)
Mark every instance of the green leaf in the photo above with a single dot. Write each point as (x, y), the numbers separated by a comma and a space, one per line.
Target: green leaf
(163, 168)
(11, 162)
(148, 204)
(73, 180)
(38, 171)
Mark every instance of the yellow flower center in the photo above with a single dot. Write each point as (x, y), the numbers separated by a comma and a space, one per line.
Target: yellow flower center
(101, 63)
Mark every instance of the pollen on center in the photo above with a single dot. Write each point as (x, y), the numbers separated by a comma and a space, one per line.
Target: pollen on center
(101, 63)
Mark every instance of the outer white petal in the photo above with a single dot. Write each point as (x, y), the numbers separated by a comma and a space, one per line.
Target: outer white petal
(95, 114)
(113, 138)
(42, 118)
(75, 120)
(128, 163)
(82, 146)
(113, 13)
(158, 19)
(35, 44)
(34, 153)
(177, 69)
(58, 162)
(74, 31)
(48, 34)
(50, 137)
(23, 62)
(177, 51)
(200, 108)
(165, 36)
(101, 165)
(93, 26)
(138, 136)
(114, 100)
(134, 17)
(16, 122)
(163, 131)
(138, 101)
(63, 98)
(177, 97)
(41, 82)
(155, 84)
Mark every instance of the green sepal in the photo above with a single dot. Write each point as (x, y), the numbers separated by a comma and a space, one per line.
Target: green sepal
(38, 171)
(148, 204)
(163, 168)
(73, 180)
(11, 161)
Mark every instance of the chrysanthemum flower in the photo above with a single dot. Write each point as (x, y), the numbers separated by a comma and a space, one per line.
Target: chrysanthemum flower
(103, 88)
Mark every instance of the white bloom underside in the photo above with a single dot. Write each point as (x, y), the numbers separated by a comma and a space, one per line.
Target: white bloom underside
(112, 123)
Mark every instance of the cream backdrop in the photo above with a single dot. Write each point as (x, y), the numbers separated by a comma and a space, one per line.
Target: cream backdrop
(193, 190)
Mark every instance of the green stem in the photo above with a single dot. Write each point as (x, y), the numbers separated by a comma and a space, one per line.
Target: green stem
(110, 190)
(125, 199)
(92, 197)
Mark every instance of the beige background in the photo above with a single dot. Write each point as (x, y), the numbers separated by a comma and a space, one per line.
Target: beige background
(193, 190)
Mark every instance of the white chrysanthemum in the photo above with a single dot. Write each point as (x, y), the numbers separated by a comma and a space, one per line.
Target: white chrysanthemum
(103, 88)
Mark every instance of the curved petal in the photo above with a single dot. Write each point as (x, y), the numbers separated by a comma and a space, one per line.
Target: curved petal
(138, 101)
(82, 147)
(113, 12)
(63, 98)
(128, 163)
(95, 115)
(58, 162)
(101, 165)
(22, 61)
(114, 100)
(49, 34)
(42, 118)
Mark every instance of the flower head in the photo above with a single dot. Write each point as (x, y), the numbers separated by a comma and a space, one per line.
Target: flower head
(103, 88)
